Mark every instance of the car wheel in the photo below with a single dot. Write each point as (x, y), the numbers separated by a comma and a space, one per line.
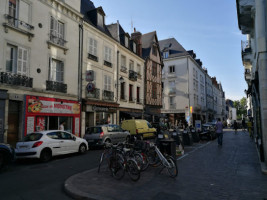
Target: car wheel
(46, 155)
(82, 149)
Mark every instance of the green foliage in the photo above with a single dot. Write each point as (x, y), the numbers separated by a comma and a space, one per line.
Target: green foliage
(241, 108)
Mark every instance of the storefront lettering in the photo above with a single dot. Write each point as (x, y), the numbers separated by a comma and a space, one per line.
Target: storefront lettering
(103, 109)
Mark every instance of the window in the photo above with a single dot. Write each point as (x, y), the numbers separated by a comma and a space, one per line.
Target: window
(100, 20)
(138, 69)
(57, 32)
(154, 50)
(134, 47)
(92, 46)
(56, 70)
(130, 92)
(17, 60)
(154, 68)
(18, 10)
(131, 65)
(107, 83)
(123, 91)
(126, 41)
(12, 11)
(165, 54)
(172, 69)
(154, 90)
(138, 94)
(107, 56)
(123, 63)
(171, 100)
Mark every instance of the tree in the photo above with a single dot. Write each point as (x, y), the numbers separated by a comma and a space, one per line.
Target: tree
(241, 107)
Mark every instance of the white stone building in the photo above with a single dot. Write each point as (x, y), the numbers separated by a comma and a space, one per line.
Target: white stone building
(39, 57)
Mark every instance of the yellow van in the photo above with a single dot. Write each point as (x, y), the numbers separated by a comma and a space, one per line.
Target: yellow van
(139, 126)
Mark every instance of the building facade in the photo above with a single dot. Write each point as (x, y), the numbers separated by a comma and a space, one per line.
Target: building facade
(38, 58)
(252, 22)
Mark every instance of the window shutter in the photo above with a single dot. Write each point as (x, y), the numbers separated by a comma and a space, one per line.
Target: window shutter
(105, 82)
(91, 46)
(25, 61)
(95, 47)
(61, 72)
(60, 30)
(20, 61)
(52, 70)
(24, 11)
(109, 83)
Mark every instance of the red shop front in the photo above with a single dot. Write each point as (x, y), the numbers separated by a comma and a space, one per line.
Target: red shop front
(44, 113)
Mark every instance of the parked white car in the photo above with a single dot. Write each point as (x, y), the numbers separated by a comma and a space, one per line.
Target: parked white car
(46, 144)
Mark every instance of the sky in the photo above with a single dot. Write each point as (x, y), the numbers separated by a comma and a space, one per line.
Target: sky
(209, 27)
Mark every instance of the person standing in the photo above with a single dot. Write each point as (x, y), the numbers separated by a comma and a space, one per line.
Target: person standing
(219, 131)
(235, 126)
(61, 126)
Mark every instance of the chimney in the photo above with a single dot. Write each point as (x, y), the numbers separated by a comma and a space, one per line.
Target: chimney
(136, 36)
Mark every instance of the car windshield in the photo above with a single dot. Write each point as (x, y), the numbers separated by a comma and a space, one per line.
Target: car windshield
(33, 137)
(94, 130)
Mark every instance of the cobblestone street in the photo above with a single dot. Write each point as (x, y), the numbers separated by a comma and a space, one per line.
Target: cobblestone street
(206, 171)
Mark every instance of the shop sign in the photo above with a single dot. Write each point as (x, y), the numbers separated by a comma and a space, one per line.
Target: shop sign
(48, 106)
(89, 75)
(101, 109)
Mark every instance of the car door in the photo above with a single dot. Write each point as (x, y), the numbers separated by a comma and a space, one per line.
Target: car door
(117, 134)
(68, 142)
(111, 133)
(55, 142)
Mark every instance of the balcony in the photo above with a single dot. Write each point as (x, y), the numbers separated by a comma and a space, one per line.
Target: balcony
(57, 42)
(245, 10)
(95, 94)
(133, 75)
(107, 63)
(56, 86)
(15, 79)
(248, 75)
(108, 95)
(246, 52)
(92, 57)
(18, 25)
(123, 69)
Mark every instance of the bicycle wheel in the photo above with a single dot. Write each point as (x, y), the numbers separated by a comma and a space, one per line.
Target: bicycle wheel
(172, 168)
(153, 158)
(139, 160)
(145, 162)
(100, 162)
(133, 170)
(116, 167)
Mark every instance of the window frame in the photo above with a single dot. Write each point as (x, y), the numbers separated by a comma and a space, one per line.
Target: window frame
(172, 69)
(53, 74)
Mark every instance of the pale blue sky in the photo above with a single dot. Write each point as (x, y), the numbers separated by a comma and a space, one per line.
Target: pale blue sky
(209, 27)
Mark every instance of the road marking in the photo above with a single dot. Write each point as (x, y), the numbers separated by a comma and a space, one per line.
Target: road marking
(196, 148)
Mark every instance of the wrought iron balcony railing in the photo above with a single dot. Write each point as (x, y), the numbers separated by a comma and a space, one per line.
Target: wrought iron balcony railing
(133, 75)
(56, 86)
(95, 94)
(57, 40)
(92, 57)
(124, 69)
(108, 95)
(12, 21)
(107, 63)
(15, 79)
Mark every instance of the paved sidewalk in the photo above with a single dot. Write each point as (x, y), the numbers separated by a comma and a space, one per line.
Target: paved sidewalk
(230, 172)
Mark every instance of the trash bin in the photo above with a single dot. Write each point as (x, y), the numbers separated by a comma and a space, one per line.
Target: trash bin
(195, 135)
(187, 138)
(168, 146)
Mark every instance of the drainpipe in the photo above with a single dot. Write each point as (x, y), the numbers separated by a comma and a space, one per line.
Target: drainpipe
(117, 88)
(80, 67)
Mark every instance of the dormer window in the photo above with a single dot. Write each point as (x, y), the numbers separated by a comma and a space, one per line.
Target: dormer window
(126, 42)
(134, 47)
(100, 20)
(165, 54)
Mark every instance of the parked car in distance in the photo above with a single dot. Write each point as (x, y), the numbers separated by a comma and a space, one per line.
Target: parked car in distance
(112, 133)
(7, 154)
(208, 131)
(46, 144)
(139, 127)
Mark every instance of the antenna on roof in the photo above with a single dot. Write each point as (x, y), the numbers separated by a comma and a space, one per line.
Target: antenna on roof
(131, 25)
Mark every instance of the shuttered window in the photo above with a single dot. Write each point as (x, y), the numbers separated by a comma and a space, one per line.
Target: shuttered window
(93, 46)
(107, 83)
(56, 70)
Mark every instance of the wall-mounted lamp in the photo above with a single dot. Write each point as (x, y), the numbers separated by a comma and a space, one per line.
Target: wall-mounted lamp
(121, 80)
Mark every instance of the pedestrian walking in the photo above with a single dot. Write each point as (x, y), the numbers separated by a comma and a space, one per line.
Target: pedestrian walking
(219, 131)
(235, 126)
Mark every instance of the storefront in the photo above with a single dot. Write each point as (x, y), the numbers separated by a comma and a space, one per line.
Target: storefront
(42, 113)
(128, 113)
(98, 113)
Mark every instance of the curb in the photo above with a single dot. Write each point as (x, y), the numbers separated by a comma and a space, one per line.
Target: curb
(74, 192)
